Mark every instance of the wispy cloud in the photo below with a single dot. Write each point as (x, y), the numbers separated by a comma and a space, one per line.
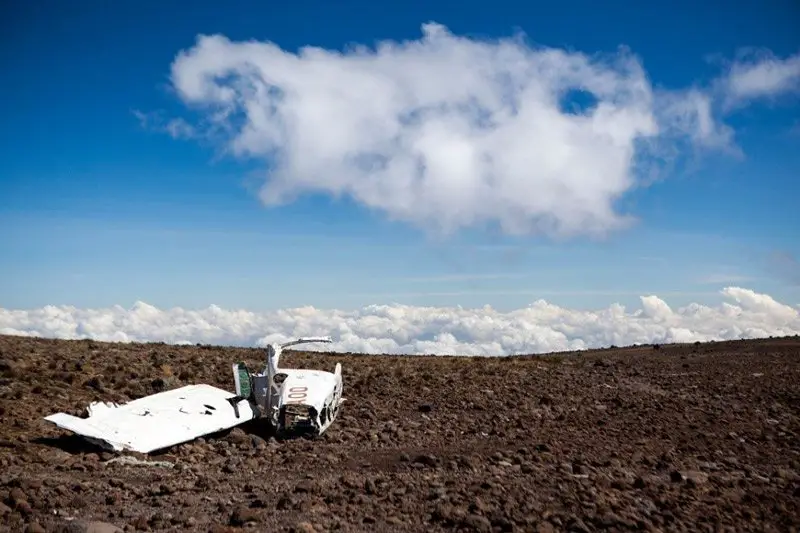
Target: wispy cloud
(759, 74)
(785, 266)
(534, 293)
(455, 278)
(724, 278)
(177, 128)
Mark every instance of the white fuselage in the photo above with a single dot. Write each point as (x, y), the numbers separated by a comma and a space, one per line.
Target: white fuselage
(297, 398)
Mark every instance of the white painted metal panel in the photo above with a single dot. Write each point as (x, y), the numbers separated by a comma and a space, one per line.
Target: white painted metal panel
(159, 420)
(316, 386)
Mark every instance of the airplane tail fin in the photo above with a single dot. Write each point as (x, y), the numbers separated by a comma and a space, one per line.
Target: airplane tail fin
(242, 379)
(338, 370)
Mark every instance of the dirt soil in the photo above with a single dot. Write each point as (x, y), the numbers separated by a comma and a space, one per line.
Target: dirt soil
(697, 437)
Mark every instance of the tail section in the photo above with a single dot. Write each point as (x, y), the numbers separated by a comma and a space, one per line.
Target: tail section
(339, 400)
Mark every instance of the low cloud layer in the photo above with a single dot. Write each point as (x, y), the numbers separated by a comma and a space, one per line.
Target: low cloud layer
(539, 328)
(447, 132)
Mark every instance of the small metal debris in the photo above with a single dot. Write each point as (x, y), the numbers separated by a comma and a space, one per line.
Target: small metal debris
(133, 461)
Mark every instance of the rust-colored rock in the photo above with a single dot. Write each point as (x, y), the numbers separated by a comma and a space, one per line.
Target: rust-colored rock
(679, 438)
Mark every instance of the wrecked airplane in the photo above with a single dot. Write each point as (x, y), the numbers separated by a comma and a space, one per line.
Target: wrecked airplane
(292, 401)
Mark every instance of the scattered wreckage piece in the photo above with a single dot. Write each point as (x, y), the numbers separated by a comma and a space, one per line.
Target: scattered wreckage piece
(292, 401)
(129, 460)
(160, 420)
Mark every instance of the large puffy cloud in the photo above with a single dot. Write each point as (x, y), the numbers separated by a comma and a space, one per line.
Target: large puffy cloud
(540, 327)
(446, 131)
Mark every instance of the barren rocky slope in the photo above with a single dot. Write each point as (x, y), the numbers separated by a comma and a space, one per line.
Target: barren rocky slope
(680, 438)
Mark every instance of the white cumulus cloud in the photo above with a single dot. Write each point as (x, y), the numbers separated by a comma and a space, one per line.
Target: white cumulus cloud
(538, 328)
(445, 132)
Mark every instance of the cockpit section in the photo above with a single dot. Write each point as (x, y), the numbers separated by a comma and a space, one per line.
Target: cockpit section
(298, 418)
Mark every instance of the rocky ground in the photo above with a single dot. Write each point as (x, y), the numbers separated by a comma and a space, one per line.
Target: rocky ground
(698, 437)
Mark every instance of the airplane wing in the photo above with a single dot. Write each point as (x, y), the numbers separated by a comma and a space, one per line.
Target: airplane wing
(159, 420)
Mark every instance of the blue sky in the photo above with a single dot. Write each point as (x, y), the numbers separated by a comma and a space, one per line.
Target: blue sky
(99, 209)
